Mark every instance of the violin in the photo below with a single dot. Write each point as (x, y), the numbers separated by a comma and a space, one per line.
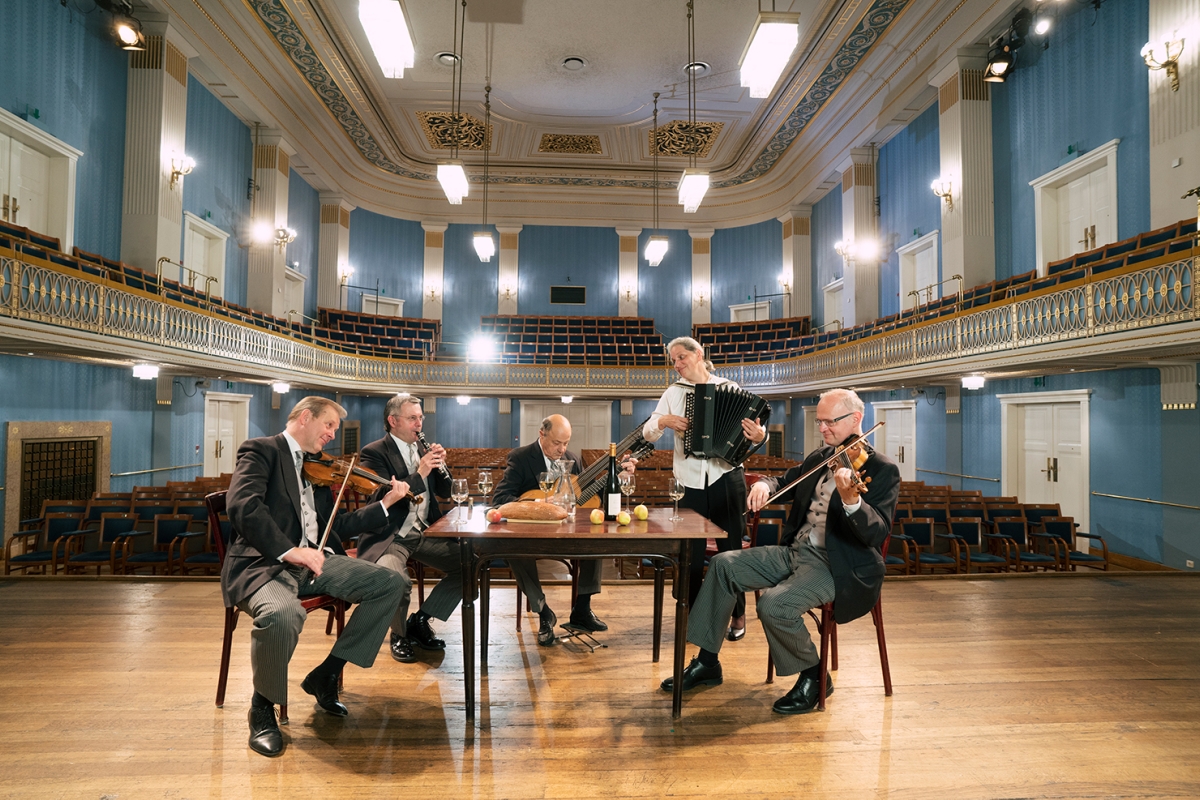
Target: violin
(854, 457)
(322, 469)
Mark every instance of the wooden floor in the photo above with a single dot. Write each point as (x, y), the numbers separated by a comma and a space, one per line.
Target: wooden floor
(1053, 687)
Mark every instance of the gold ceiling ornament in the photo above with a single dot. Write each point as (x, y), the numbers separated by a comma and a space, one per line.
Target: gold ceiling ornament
(441, 130)
(584, 144)
(682, 138)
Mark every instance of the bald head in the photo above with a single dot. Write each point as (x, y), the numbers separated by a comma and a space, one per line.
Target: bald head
(555, 435)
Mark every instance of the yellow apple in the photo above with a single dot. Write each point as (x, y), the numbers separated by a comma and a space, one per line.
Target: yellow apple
(596, 517)
(641, 512)
(623, 518)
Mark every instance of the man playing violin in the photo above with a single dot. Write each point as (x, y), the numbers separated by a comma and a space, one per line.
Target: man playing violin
(397, 455)
(829, 550)
(274, 559)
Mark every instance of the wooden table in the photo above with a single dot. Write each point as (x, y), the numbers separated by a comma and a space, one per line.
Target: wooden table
(657, 537)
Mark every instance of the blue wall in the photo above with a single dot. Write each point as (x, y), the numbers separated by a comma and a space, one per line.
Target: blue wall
(561, 256)
(304, 217)
(1089, 87)
(470, 286)
(665, 292)
(64, 65)
(388, 251)
(217, 188)
(826, 263)
(907, 164)
(746, 261)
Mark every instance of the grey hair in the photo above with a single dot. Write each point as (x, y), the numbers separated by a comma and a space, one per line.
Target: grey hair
(394, 404)
(692, 346)
(847, 397)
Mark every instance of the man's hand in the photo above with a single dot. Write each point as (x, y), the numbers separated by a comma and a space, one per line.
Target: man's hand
(629, 464)
(674, 422)
(309, 557)
(434, 457)
(754, 432)
(844, 478)
(397, 493)
(757, 497)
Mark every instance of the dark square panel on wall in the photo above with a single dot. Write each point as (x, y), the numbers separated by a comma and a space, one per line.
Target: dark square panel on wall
(568, 295)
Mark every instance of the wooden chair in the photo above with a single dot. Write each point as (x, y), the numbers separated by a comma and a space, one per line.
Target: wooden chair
(167, 540)
(336, 607)
(1011, 534)
(40, 547)
(966, 546)
(107, 543)
(1061, 531)
(919, 532)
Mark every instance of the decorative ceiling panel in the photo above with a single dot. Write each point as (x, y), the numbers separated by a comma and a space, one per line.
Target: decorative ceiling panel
(448, 131)
(583, 144)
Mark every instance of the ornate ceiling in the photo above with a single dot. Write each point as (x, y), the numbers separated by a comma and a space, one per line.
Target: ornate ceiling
(573, 146)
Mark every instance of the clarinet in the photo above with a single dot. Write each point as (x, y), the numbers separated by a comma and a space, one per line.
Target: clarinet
(442, 470)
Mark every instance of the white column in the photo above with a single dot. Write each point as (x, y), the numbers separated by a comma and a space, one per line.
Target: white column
(860, 278)
(266, 287)
(797, 258)
(435, 259)
(333, 249)
(627, 271)
(701, 275)
(968, 237)
(155, 129)
(1174, 116)
(509, 283)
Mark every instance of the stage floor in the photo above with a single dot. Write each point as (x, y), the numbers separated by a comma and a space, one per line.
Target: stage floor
(1046, 687)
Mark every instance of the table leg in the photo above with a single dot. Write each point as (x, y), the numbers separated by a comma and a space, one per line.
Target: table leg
(659, 580)
(485, 612)
(682, 573)
(470, 589)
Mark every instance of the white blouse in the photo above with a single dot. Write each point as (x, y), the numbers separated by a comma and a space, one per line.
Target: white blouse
(694, 473)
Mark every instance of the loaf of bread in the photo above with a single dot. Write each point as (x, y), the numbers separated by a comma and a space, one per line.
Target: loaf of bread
(524, 509)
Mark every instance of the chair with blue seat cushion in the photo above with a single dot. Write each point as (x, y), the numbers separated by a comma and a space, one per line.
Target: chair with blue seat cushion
(1011, 534)
(102, 546)
(43, 546)
(167, 539)
(967, 546)
(1036, 512)
(1063, 529)
(924, 555)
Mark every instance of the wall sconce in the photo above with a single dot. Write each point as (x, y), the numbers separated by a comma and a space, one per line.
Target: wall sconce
(180, 166)
(1170, 63)
(145, 372)
(862, 250)
(943, 188)
(507, 293)
(345, 272)
(283, 237)
(699, 299)
(628, 293)
(785, 281)
(432, 291)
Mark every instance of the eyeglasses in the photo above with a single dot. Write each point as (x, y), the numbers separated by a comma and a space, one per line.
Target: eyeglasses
(417, 418)
(829, 423)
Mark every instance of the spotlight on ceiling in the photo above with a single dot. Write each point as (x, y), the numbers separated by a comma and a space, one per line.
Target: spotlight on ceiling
(1000, 61)
(481, 349)
(387, 31)
(129, 34)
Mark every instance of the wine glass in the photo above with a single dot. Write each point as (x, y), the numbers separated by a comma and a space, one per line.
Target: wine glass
(459, 492)
(546, 483)
(675, 491)
(484, 481)
(628, 484)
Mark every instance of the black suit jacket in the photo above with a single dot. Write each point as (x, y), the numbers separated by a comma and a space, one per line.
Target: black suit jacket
(383, 458)
(263, 504)
(521, 474)
(852, 541)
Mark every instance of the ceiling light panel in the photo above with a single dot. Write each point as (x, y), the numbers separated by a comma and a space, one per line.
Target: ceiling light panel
(387, 31)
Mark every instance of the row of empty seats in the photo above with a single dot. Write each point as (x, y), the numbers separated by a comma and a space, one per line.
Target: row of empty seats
(615, 341)
(722, 340)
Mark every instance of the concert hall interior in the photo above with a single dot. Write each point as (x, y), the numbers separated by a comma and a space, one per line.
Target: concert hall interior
(981, 216)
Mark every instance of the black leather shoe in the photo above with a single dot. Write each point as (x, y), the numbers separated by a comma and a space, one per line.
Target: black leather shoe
(735, 634)
(549, 619)
(803, 696)
(696, 674)
(588, 621)
(325, 689)
(420, 634)
(265, 738)
(401, 650)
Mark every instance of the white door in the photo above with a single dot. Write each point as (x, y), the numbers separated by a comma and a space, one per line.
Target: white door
(1085, 209)
(196, 259)
(833, 306)
(226, 423)
(898, 439)
(29, 185)
(812, 434)
(591, 422)
(1045, 451)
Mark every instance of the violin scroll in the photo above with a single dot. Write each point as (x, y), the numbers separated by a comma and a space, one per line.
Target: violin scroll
(322, 469)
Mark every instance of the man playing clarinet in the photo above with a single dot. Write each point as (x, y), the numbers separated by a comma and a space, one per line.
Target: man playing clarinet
(829, 550)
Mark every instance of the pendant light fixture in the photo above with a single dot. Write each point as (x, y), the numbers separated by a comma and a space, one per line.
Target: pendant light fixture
(485, 245)
(775, 36)
(694, 183)
(451, 174)
(656, 245)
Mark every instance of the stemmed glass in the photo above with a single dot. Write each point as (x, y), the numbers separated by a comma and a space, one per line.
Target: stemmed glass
(459, 492)
(484, 481)
(628, 484)
(546, 483)
(675, 492)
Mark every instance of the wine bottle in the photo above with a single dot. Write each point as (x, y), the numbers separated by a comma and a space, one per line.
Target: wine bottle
(612, 488)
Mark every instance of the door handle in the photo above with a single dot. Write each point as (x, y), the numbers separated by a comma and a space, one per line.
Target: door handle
(1092, 233)
(6, 207)
(1049, 469)
(15, 208)
(900, 455)
(1055, 470)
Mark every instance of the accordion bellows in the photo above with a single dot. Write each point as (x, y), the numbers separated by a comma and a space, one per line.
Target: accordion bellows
(715, 412)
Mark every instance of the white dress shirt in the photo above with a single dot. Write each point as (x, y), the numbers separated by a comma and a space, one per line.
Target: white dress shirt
(694, 473)
(418, 513)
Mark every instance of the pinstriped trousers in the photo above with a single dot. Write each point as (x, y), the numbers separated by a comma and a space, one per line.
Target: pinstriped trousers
(441, 554)
(792, 580)
(279, 618)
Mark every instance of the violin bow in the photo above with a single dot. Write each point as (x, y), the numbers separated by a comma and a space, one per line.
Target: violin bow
(860, 439)
(336, 504)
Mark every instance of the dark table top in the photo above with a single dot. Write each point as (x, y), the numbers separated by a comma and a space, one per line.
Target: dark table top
(657, 527)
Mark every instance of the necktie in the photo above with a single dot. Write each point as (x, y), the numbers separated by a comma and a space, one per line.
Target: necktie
(300, 466)
(414, 461)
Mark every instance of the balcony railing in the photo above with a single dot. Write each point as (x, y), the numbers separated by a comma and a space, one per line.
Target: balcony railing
(1154, 296)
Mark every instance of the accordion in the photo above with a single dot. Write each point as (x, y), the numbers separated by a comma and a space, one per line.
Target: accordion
(715, 412)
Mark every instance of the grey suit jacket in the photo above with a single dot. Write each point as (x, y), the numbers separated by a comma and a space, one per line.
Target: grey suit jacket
(383, 458)
(263, 504)
(852, 541)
